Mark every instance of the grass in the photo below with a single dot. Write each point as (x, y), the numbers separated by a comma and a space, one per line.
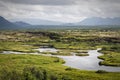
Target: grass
(110, 58)
(15, 46)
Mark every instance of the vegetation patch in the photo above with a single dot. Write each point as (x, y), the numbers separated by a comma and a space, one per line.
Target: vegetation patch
(111, 59)
(82, 54)
(101, 71)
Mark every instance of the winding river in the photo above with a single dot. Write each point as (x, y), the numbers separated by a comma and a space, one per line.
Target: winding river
(90, 62)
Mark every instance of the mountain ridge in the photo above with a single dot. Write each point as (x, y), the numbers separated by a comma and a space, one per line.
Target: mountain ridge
(5, 24)
(38, 21)
(21, 23)
(86, 23)
(100, 21)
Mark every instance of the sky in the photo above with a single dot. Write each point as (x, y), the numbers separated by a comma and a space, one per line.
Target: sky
(59, 10)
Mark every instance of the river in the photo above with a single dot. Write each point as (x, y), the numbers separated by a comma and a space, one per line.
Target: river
(90, 62)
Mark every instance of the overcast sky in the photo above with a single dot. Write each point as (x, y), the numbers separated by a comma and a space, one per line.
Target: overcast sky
(59, 10)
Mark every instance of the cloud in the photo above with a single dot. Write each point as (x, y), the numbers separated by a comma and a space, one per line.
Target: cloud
(43, 2)
(59, 10)
(60, 2)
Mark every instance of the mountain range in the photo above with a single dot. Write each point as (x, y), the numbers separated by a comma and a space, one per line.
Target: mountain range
(94, 21)
(39, 21)
(20, 23)
(5, 24)
(99, 21)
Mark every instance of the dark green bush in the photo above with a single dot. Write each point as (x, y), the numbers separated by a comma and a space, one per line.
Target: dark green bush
(10, 75)
(56, 60)
(101, 71)
(69, 69)
(53, 77)
(32, 73)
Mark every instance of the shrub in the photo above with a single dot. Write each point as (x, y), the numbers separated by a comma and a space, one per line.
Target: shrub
(28, 73)
(10, 75)
(82, 54)
(32, 73)
(53, 77)
(65, 78)
(57, 60)
(101, 71)
(69, 69)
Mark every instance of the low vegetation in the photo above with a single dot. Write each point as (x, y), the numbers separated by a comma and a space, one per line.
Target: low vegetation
(36, 67)
(31, 67)
(110, 59)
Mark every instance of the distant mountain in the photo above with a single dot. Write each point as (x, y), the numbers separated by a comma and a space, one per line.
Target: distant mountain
(99, 21)
(5, 24)
(38, 21)
(44, 24)
(23, 24)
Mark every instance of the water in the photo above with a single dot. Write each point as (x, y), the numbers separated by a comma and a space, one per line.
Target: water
(90, 62)
(11, 52)
(53, 50)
